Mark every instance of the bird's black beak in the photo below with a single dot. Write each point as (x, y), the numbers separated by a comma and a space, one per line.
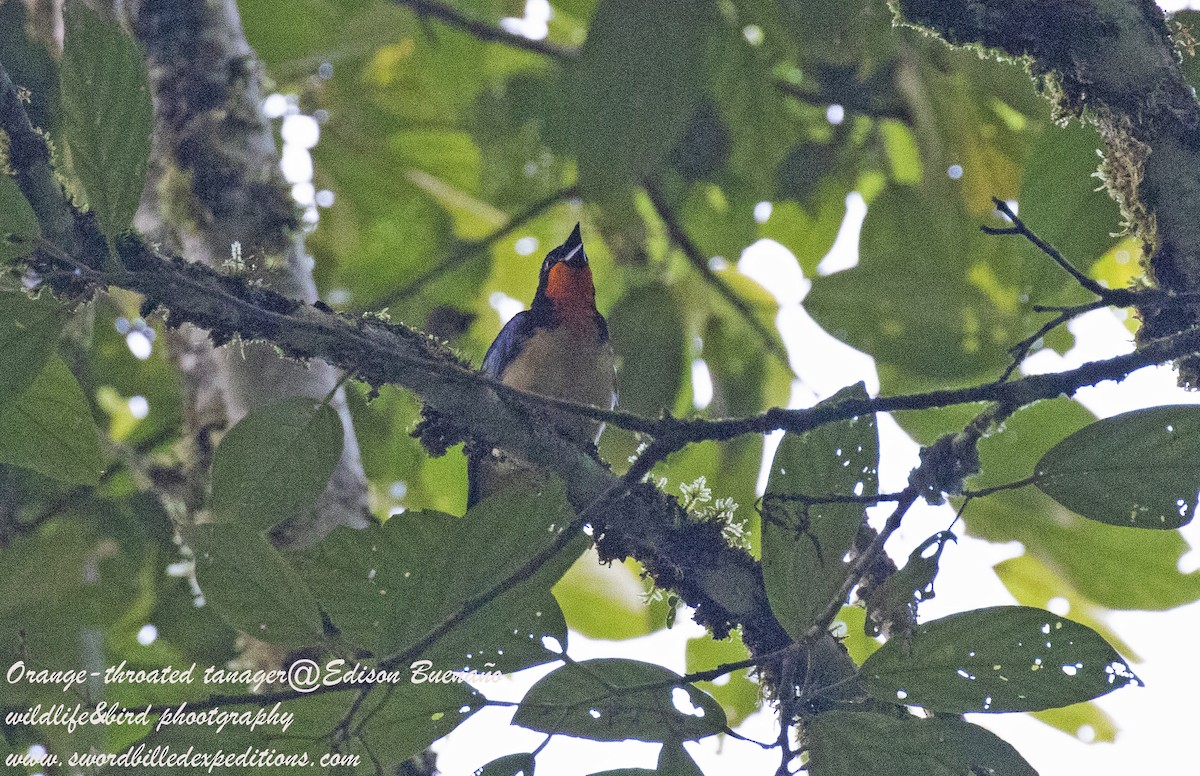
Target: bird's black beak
(572, 250)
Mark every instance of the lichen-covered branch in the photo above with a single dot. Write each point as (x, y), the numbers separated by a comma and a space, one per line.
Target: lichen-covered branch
(1111, 63)
(219, 185)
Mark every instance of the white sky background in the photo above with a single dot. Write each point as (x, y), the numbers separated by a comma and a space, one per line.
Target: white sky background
(1156, 722)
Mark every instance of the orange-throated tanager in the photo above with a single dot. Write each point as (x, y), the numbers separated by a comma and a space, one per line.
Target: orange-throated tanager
(558, 347)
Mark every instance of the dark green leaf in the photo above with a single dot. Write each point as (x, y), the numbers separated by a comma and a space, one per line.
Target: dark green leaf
(1003, 658)
(509, 765)
(635, 84)
(252, 587)
(674, 760)
(1093, 557)
(647, 335)
(618, 699)
(50, 428)
(387, 586)
(29, 331)
(275, 462)
(705, 145)
(411, 716)
(18, 225)
(803, 544)
(1140, 469)
(847, 743)
(107, 114)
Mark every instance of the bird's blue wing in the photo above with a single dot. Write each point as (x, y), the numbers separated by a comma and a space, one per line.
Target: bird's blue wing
(508, 344)
(504, 349)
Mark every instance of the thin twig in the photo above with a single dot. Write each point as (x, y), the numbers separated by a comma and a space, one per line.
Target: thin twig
(1019, 228)
(695, 257)
(1020, 351)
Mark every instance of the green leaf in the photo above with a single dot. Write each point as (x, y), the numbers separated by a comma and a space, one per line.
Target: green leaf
(1093, 557)
(910, 585)
(647, 336)
(845, 743)
(617, 699)
(29, 331)
(850, 629)
(605, 601)
(674, 760)
(941, 310)
(803, 544)
(509, 765)
(50, 428)
(107, 114)
(1002, 658)
(1033, 583)
(1140, 469)
(1062, 200)
(739, 695)
(18, 224)
(386, 587)
(275, 462)
(807, 234)
(1076, 718)
(633, 88)
(411, 716)
(252, 587)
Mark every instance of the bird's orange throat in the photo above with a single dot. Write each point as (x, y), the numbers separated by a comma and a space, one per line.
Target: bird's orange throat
(571, 291)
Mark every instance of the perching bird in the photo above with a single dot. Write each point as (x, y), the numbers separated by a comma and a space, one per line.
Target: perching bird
(558, 347)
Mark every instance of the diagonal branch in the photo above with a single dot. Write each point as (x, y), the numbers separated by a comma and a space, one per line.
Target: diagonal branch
(695, 257)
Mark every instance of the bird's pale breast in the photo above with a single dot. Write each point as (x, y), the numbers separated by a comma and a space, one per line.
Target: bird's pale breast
(566, 363)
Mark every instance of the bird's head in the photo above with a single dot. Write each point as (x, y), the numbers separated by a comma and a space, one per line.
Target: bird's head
(565, 282)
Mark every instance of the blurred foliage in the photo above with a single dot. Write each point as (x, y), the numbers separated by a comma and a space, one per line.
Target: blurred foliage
(455, 165)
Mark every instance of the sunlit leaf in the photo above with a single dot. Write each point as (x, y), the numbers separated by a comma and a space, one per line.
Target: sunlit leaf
(1002, 658)
(738, 694)
(605, 601)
